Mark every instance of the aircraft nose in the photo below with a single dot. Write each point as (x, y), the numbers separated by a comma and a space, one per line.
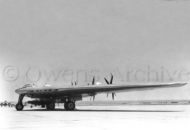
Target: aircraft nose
(18, 91)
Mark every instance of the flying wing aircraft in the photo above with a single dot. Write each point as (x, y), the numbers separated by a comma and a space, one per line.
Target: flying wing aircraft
(49, 95)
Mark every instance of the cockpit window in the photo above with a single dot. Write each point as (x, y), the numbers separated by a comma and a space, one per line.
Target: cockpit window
(27, 86)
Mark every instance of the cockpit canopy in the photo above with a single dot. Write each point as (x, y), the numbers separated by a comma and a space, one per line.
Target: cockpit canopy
(27, 86)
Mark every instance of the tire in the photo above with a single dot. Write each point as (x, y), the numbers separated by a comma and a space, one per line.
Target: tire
(50, 106)
(69, 106)
(19, 107)
(43, 106)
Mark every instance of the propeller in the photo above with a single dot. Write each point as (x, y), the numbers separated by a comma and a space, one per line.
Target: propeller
(94, 97)
(113, 95)
(93, 82)
(74, 83)
(111, 81)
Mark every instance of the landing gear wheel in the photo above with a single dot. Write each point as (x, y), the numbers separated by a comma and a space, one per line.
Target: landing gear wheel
(43, 105)
(69, 106)
(19, 107)
(50, 106)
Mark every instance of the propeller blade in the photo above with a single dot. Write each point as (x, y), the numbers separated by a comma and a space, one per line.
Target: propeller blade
(93, 97)
(75, 82)
(93, 81)
(111, 80)
(72, 83)
(113, 96)
(106, 81)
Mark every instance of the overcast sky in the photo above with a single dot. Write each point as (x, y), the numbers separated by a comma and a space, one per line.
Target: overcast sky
(101, 35)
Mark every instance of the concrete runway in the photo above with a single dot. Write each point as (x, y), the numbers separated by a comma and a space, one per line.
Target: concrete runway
(168, 117)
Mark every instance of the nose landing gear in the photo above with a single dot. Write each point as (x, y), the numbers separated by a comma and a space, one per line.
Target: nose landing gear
(19, 106)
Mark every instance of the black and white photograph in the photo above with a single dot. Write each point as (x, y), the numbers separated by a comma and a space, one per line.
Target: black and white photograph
(94, 65)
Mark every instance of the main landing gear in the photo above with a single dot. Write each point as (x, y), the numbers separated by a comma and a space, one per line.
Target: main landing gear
(50, 106)
(19, 106)
(69, 106)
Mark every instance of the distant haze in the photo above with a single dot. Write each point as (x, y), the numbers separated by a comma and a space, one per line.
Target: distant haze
(144, 41)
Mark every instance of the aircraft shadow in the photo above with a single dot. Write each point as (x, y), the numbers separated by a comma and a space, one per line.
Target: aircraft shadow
(93, 110)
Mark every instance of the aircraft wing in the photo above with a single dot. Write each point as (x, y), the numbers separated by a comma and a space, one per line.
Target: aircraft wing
(93, 89)
(114, 88)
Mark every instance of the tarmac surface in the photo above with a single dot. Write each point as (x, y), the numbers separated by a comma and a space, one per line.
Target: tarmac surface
(170, 117)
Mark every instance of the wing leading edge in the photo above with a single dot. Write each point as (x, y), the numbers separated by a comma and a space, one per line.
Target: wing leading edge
(115, 88)
(94, 89)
